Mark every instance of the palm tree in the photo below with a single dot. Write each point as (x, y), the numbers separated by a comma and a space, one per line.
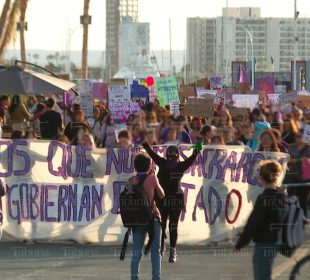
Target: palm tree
(4, 15)
(9, 31)
(85, 39)
(23, 8)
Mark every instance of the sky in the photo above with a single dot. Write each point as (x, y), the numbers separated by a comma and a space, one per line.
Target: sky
(51, 21)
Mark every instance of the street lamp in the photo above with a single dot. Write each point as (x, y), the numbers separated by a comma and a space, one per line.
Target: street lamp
(251, 36)
(296, 14)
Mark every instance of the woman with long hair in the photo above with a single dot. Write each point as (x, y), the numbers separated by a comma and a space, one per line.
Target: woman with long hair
(107, 134)
(290, 130)
(78, 123)
(170, 173)
(268, 142)
(195, 125)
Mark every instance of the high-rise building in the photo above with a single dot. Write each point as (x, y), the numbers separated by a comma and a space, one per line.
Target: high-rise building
(112, 29)
(116, 11)
(213, 43)
(129, 8)
(134, 44)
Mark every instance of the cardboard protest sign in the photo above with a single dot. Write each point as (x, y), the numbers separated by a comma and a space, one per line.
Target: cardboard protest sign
(166, 90)
(203, 83)
(245, 100)
(186, 91)
(199, 107)
(239, 112)
(306, 134)
(85, 89)
(303, 101)
(58, 191)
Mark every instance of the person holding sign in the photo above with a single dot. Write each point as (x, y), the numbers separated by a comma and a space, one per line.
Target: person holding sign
(170, 173)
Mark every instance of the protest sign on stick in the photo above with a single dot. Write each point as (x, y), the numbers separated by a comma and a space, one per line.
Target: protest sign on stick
(166, 90)
(199, 107)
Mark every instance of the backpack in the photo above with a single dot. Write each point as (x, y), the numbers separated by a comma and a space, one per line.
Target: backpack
(293, 228)
(135, 208)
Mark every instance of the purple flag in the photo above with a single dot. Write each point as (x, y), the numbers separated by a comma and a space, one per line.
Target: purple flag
(243, 77)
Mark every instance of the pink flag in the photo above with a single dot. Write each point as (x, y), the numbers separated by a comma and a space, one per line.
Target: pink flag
(243, 77)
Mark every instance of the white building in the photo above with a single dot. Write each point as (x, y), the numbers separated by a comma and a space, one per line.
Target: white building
(213, 43)
(134, 45)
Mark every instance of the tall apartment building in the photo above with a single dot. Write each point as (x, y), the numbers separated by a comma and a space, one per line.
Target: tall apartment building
(216, 42)
(116, 11)
(134, 44)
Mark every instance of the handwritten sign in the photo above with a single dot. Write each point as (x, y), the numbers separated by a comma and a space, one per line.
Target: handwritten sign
(174, 108)
(85, 89)
(120, 104)
(199, 107)
(245, 100)
(166, 90)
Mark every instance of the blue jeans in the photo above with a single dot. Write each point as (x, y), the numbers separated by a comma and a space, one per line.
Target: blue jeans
(264, 254)
(139, 235)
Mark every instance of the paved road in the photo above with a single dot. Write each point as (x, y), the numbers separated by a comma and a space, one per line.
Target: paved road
(69, 261)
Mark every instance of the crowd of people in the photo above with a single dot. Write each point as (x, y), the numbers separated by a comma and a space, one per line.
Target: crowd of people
(265, 128)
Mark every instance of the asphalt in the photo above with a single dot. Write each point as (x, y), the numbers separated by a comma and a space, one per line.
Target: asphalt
(71, 261)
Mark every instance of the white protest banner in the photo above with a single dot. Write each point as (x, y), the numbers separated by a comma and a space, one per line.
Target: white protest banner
(57, 191)
(174, 108)
(306, 134)
(85, 99)
(245, 100)
(166, 90)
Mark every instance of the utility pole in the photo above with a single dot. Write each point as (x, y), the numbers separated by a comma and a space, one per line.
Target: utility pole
(295, 45)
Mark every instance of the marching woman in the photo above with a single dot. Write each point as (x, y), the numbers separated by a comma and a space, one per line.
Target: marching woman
(170, 173)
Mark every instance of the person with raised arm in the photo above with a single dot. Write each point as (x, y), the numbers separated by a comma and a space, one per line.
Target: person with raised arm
(171, 171)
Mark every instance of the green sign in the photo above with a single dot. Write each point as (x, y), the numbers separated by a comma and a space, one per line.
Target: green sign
(166, 90)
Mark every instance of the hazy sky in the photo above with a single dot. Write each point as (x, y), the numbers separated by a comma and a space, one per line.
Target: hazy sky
(50, 20)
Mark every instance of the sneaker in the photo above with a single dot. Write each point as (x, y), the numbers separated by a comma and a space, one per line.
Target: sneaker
(173, 255)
